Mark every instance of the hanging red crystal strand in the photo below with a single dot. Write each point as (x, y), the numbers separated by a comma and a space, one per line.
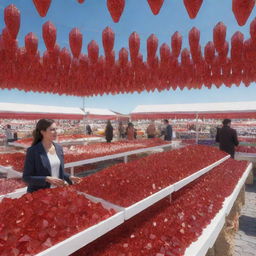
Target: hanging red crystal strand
(80, 1)
(12, 20)
(216, 72)
(115, 7)
(31, 43)
(134, 46)
(165, 53)
(176, 43)
(10, 45)
(93, 52)
(152, 44)
(209, 52)
(54, 55)
(253, 30)
(237, 47)
(224, 53)
(219, 36)
(193, 7)
(155, 5)
(49, 35)
(83, 70)
(108, 40)
(123, 69)
(226, 72)
(42, 6)
(195, 48)
(242, 10)
(75, 42)
(65, 57)
(194, 38)
(186, 69)
(237, 57)
(165, 60)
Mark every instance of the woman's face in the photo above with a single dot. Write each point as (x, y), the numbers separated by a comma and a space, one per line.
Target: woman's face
(51, 133)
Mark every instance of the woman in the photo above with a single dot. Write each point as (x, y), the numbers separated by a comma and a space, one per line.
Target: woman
(109, 132)
(44, 163)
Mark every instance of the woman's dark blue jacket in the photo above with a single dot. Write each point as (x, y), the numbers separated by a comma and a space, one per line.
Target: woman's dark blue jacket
(37, 167)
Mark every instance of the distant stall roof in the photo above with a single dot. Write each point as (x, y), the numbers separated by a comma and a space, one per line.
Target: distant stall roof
(190, 111)
(29, 111)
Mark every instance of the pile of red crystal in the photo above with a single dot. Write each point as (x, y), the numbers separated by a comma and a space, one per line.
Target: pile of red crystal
(39, 220)
(61, 138)
(81, 152)
(14, 160)
(246, 149)
(125, 184)
(169, 227)
(10, 185)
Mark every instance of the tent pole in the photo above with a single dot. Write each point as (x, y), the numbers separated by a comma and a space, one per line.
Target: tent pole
(197, 128)
(84, 119)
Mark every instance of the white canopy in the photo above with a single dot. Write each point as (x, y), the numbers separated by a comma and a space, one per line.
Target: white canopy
(29, 111)
(198, 107)
(211, 110)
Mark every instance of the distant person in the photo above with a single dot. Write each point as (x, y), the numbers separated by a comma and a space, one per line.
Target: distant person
(15, 136)
(227, 137)
(168, 131)
(151, 130)
(130, 131)
(109, 132)
(88, 129)
(9, 133)
(121, 131)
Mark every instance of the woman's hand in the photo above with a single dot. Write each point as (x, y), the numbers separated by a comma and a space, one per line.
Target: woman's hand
(75, 180)
(55, 181)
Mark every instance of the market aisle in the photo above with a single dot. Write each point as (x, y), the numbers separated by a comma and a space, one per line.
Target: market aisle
(245, 238)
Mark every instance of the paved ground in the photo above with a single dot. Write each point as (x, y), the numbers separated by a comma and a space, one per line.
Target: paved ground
(245, 239)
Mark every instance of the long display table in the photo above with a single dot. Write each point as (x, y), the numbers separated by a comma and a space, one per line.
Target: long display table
(211, 232)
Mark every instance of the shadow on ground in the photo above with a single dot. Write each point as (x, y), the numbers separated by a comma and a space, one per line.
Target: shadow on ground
(247, 225)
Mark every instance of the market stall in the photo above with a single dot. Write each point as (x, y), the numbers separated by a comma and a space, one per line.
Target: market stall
(78, 240)
(196, 112)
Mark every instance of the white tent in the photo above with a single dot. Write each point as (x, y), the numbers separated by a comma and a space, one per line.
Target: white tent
(203, 110)
(29, 111)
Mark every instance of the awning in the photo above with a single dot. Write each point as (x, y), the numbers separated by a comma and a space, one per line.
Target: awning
(232, 110)
(29, 111)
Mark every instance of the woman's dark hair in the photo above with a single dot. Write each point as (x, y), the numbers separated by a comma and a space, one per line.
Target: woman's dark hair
(41, 125)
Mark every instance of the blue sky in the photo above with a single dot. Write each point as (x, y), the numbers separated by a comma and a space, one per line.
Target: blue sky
(92, 17)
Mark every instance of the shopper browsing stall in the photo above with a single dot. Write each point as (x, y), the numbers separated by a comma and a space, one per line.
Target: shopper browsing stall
(9, 133)
(121, 131)
(130, 131)
(88, 129)
(151, 130)
(227, 137)
(109, 132)
(44, 163)
(168, 130)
